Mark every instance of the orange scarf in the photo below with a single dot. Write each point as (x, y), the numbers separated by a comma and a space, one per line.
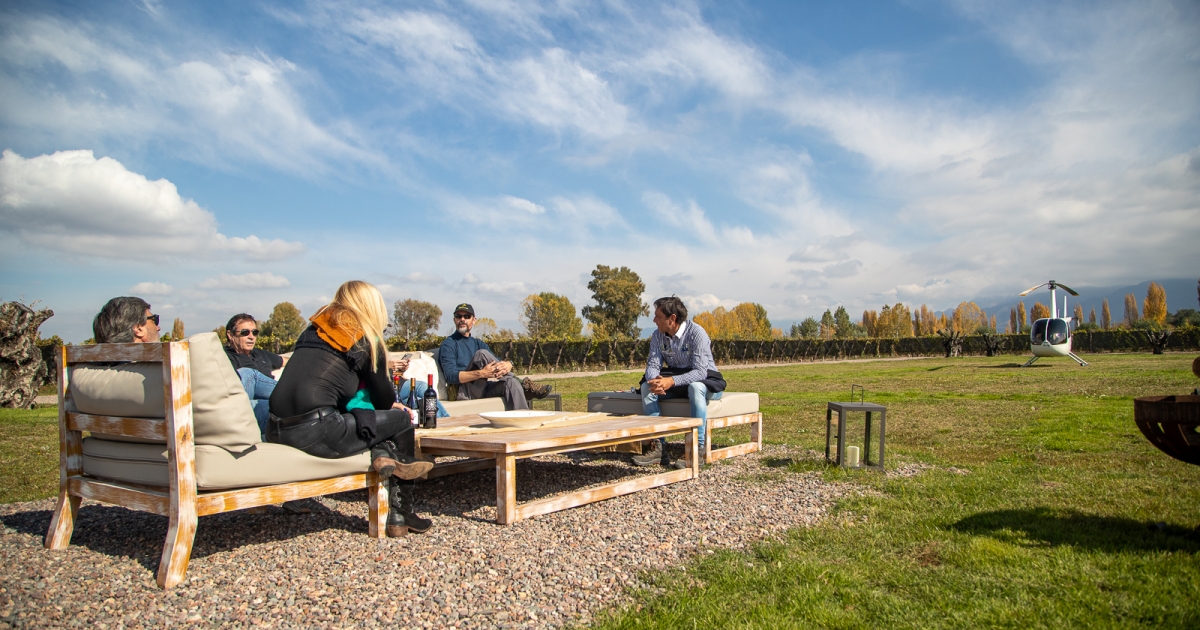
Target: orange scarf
(333, 334)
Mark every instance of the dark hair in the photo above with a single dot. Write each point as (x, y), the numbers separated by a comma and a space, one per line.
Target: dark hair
(237, 319)
(114, 323)
(671, 306)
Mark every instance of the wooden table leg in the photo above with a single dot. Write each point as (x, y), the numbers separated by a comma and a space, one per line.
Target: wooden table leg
(693, 451)
(506, 490)
(377, 505)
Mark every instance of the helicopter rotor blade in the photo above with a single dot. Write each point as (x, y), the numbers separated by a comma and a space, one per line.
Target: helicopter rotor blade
(1067, 289)
(1030, 289)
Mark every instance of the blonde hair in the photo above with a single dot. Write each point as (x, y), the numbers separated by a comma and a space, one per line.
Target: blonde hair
(359, 309)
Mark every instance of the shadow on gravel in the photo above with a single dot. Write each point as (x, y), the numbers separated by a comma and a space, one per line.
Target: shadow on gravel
(116, 531)
(1086, 531)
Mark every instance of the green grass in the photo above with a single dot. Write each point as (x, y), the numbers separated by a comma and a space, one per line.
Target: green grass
(28, 454)
(1067, 518)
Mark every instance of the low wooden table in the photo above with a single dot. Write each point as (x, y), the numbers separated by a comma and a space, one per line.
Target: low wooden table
(503, 449)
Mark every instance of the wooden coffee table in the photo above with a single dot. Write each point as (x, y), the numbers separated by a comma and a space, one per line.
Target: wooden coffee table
(503, 449)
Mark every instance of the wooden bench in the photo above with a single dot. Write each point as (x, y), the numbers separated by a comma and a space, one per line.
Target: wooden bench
(503, 449)
(181, 500)
(732, 409)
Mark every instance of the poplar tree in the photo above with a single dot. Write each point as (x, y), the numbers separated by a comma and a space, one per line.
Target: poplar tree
(1092, 316)
(1078, 315)
(1155, 306)
(1012, 320)
(1131, 310)
(1020, 316)
(177, 330)
(1039, 311)
(1105, 315)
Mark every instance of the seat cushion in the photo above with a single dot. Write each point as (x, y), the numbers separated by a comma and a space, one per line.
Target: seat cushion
(730, 404)
(216, 468)
(221, 413)
(468, 407)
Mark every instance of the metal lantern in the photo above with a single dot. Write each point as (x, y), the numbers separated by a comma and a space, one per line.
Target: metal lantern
(854, 451)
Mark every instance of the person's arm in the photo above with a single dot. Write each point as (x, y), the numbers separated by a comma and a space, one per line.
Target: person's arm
(276, 360)
(654, 362)
(379, 386)
(448, 357)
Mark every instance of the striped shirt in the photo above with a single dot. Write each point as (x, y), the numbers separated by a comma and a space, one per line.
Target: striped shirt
(689, 347)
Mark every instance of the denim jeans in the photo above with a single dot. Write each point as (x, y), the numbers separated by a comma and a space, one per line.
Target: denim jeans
(421, 387)
(258, 387)
(697, 395)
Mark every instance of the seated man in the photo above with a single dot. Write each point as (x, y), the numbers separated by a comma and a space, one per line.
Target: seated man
(467, 362)
(680, 366)
(125, 320)
(254, 365)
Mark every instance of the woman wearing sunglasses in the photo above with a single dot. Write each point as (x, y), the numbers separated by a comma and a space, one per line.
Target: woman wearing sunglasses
(341, 353)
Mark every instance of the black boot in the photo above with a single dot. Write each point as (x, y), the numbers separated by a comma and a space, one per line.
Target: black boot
(651, 457)
(396, 527)
(386, 456)
(400, 502)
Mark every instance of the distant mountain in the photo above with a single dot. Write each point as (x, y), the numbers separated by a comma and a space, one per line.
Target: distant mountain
(1181, 293)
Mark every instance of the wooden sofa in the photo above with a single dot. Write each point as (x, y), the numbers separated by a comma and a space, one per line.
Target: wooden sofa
(732, 409)
(172, 433)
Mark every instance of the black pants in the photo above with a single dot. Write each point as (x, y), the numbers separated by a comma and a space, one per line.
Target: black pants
(331, 435)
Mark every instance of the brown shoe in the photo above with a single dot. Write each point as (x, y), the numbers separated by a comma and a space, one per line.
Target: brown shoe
(385, 466)
(535, 390)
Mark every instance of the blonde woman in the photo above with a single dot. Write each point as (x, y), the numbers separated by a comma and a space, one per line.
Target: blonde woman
(339, 354)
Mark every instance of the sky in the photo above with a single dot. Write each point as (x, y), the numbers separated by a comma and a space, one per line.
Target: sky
(218, 157)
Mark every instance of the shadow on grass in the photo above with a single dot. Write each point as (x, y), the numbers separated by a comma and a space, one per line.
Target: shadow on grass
(1086, 531)
(1006, 366)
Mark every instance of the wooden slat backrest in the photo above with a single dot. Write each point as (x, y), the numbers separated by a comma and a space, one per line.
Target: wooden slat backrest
(145, 428)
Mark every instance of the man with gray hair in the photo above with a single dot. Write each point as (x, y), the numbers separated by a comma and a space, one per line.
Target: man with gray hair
(680, 366)
(125, 320)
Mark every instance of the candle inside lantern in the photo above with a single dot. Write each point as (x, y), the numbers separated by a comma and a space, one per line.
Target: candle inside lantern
(852, 456)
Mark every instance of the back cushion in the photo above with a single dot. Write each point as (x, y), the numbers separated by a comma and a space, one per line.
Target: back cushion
(221, 412)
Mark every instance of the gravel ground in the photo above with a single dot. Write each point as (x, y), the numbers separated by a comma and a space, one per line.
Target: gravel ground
(278, 569)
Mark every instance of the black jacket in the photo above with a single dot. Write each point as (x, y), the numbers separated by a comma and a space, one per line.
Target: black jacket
(318, 375)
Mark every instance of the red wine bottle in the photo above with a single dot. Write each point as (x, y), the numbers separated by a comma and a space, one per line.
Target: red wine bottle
(429, 406)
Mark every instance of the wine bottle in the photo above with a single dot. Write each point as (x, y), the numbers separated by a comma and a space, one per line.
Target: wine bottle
(429, 406)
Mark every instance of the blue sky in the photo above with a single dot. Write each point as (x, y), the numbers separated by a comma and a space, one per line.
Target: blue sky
(220, 157)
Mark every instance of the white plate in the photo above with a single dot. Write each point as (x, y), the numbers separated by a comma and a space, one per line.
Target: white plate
(518, 418)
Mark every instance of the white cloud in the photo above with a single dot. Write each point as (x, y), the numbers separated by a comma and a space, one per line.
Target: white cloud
(223, 107)
(706, 302)
(152, 288)
(523, 205)
(470, 278)
(246, 282)
(510, 289)
(70, 201)
(845, 269)
(419, 277)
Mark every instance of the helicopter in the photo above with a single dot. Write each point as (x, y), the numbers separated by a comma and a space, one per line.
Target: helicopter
(1051, 336)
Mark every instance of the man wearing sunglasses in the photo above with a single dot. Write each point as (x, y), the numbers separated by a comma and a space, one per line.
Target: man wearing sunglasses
(254, 365)
(125, 320)
(467, 361)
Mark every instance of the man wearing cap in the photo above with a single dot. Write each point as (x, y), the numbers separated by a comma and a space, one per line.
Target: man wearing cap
(467, 361)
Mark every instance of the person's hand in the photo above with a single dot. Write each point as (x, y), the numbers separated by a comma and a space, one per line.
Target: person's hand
(397, 405)
(660, 385)
(502, 368)
(399, 366)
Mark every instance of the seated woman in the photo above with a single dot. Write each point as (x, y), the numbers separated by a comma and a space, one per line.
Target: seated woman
(341, 349)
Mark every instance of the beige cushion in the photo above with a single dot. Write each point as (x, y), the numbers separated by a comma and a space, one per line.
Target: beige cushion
(221, 412)
(468, 407)
(216, 468)
(730, 404)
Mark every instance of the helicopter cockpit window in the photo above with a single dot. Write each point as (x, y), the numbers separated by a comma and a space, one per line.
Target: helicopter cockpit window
(1057, 331)
(1037, 334)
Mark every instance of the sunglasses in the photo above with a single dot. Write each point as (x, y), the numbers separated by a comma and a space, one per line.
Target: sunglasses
(152, 318)
(463, 316)
(245, 333)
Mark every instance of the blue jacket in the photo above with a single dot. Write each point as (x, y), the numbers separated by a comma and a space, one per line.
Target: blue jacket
(455, 355)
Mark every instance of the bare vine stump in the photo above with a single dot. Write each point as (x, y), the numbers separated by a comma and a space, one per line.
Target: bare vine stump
(994, 343)
(22, 370)
(1158, 340)
(952, 341)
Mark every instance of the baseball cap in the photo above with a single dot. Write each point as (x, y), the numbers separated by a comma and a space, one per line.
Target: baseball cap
(465, 307)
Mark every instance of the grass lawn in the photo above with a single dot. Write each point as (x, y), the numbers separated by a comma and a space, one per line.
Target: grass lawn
(1066, 516)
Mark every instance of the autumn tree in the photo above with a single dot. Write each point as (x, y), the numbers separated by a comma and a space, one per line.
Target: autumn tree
(1155, 306)
(1078, 314)
(746, 321)
(1131, 310)
(414, 320)
(1012, 320)
(992, 323)
(177, 330)
(968, 318)
(1105, 315)
(1021, 316)
(868, 321)
(550, 316)
(807, 329)
(1039, 311)
(1092, 316)
(618, 295)
(281, 329)
(894, 322)
(485, 328)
